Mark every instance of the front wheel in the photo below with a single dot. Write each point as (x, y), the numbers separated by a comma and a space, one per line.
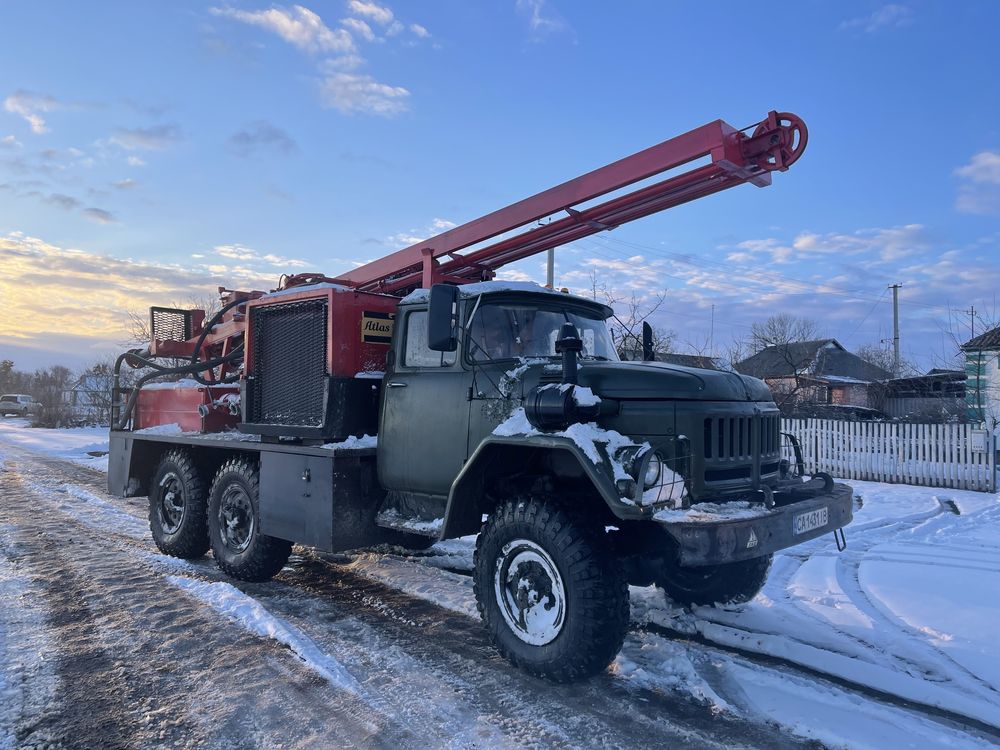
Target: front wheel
(727, 583)
(240, 549)
(552, 596)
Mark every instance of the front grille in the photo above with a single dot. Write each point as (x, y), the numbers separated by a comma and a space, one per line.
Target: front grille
(289, 363)
(169, 324)
(729, 438)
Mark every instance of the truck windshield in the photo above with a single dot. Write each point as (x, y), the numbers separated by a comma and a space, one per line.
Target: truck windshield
(509, 331)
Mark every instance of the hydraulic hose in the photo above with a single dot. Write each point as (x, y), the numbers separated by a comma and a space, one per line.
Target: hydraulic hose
(160, 371)
(201, 340)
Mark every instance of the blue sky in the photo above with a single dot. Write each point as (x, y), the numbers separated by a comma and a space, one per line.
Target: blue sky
(150, 152)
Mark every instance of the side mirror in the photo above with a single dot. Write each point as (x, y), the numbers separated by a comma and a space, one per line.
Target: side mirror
(442, 319)
(647, 343)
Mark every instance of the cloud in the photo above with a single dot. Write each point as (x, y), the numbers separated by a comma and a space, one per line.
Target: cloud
(376, 13)
(30, 105)
(261, 136)
(979, 192)
(413, 236)
(127, 184)
(53, 295)
(9, 141)
(359, 27)
(249, 255)
(65, 202)
(890, 16)
(542, 19)
(296, 25)
(352, 94)
(100, 215)
(984, 167)
(135, 161)
(154, 138)
(419, 31)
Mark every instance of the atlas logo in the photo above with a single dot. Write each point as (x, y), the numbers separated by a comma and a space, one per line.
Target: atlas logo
(752, 541)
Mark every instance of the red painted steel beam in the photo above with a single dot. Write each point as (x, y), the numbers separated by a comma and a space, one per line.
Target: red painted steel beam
(735, 158)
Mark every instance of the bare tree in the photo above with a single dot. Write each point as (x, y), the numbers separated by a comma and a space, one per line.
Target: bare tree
(781, 330)
(630, 313)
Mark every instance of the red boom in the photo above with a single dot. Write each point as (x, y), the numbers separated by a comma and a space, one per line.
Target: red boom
(735, 158)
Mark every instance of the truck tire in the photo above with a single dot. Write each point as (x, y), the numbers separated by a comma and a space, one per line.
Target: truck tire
(727, 583)
(553, 597)
(177, 507)
(240, 549)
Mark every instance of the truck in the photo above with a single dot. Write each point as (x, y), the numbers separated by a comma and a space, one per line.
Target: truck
(19, 404)
(417, 398)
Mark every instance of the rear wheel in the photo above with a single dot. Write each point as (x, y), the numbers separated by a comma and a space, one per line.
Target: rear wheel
(240, 549)
(553, 598)
(728, 583)
(177, 502)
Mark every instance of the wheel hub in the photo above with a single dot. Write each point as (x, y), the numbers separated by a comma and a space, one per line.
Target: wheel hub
(171, 506)
(530, 592)
(236, 519)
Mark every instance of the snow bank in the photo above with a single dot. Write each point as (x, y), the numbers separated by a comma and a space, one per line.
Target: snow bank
(251, 615)
(70, 443)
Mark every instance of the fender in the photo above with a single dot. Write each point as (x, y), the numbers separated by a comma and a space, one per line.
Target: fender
(463, 513)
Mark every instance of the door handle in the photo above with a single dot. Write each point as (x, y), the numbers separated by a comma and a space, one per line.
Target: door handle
(397, 385)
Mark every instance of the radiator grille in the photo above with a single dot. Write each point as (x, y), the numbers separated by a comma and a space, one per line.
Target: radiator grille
(169, 324)
(730, 437)
(289, 363)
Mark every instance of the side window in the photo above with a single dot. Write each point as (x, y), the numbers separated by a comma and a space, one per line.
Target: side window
(416, 353)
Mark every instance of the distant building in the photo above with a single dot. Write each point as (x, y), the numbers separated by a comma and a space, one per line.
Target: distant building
(814, 372)
(982, 366)
(938, 396)
(89, 398)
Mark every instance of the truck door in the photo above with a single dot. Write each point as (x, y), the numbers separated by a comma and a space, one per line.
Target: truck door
(425, 413)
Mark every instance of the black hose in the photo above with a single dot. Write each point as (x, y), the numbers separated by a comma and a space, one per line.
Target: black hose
(201, 340)
(160, 372)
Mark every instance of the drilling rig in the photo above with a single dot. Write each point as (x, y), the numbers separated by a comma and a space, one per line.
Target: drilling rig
(415, 399)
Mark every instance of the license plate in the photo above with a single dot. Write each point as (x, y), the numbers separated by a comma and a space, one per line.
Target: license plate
(814, 519)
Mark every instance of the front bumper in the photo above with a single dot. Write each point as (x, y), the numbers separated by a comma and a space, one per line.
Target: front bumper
(724, 541)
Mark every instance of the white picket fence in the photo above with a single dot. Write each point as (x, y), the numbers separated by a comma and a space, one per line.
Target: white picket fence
(933, 455)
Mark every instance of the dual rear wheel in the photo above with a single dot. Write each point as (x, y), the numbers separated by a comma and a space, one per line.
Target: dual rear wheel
(187, 518)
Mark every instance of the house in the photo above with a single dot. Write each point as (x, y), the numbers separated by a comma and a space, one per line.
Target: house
(89, 398)
(814, 372)
(982, 366)
(935, 397)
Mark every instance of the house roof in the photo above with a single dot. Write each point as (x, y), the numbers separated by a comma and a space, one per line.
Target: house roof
(988, 340)
(822, 358)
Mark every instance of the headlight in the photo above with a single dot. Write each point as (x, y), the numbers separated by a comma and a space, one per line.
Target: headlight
(653, 470)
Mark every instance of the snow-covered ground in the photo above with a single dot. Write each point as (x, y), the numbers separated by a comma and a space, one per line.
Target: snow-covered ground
(87, 446)
(890, 643)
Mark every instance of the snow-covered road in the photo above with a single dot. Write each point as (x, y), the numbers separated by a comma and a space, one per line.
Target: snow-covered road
(888, 644)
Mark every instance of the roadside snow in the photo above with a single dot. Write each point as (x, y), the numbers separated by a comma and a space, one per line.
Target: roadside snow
(251, 615)
(69, 443)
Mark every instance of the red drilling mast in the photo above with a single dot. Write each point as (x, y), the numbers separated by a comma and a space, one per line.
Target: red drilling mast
(734, 158)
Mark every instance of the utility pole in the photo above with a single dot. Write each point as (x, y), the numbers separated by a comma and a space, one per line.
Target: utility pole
(971, 312)
(895, 329)
(550, 270)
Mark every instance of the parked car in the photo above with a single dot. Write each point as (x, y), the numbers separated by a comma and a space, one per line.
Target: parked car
(19, 404)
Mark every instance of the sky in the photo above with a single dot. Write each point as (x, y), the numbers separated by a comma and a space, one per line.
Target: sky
(152, 152)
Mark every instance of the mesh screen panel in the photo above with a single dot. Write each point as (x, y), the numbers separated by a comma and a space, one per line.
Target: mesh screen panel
(289, 363)
(170, 324)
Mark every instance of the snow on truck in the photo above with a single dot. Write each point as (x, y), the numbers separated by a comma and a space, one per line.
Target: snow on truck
(415, 399)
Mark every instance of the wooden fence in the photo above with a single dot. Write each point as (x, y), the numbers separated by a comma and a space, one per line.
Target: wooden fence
(960, 456)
